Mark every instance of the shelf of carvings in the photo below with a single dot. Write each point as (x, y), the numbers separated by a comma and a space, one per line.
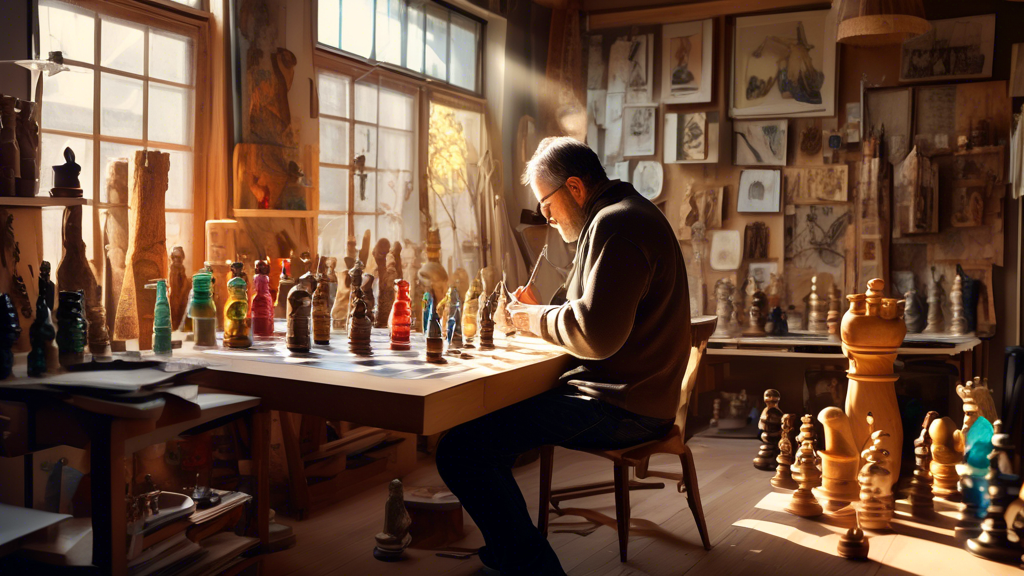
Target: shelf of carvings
(40, 201)
(259, 213)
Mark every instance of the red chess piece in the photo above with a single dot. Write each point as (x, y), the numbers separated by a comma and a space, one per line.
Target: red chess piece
(401, 316)
(262, 309)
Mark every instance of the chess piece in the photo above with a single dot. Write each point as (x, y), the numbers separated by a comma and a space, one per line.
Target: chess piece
(737, 410)
(367, 295)
(71, 329)
(442, 308)
(971, 288)
(321, 314)
(470, 310)
(10, 331)
(816, 310)
(723, 307)
(262, 311)
(834, 313)
(27, 183)
(454, 334)
(359, 328)
(386, 276)
(922, 503)
(957, 324)
(65, 177)
(502, 317)
(300, 266)
(177, 286)
(936, 323)
(487, 322)
(872, 330)
(161, 319)
(754, 326)
(993, 542)
(839, 461)
(807, 476)
(778, 323)
(343, 300)
(853, 545)
(435, 343)
(426, 305)
(875, 480)
(41, 335)
(202, 310)
(770, 425)
(978, 402)
(432, 276)
(395, 537)
(914, 312)
(300, 301)
(775, 290)
(331, 277)
(716, 411)
(99, 336)
(783, 478)
(236, 314)
(401, 317)
(973, 479)
(947, 451)
(284, 287)
(46, 286)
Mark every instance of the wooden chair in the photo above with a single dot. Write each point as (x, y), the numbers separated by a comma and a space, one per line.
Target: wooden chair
(639, 456)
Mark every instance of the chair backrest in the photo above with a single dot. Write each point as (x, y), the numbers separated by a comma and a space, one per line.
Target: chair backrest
(701, 329)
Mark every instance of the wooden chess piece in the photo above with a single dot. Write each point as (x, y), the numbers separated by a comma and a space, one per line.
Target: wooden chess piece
(386, 287)
(839, 462)
(71, 329)
(367, 295)
(770, 425)
(487, 322)
(161, 319)
(359, 328)
(343, 300)
(262, 310)
(470, 310)
(331, 277)
(236, 314)
(321, 314)
(41, 335)
(432, 275)
(723, 307)
(947, 451)
(876, 481)
(177, 285)
(872, 330)
(385, 284)
(27, 183)
(46, 286)
(300, 301)
(435, 343)
(913, 312)
(10, 331)
(936, 323)
(853, 545)
(202, 310)
(994, 542)
(401, 317)
(284, 287)
(973, 479)
(978, 402)
(783, 478)
(395, 537)
(816, 310)
(754, 327)
(834, 313)
(454, 334)
(807, 476)
(922, 502)
(957, 324)
(75, 272)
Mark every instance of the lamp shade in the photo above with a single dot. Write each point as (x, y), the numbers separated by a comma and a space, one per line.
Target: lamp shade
(880, 22)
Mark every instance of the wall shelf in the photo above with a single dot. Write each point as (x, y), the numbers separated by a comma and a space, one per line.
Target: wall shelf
(40, 201)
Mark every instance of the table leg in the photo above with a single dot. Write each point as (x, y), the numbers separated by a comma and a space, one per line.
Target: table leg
(260, 427)
(296, 469)
(109, 524)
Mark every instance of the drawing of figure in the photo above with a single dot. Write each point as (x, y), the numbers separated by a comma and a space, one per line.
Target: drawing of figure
(637, 65)
(797, 78)
(681, 73)
(812, 239)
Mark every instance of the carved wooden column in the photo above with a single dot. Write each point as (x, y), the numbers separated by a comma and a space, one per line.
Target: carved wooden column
(115, 236)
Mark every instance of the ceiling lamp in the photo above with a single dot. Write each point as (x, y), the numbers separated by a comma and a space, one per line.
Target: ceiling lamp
(880, 22)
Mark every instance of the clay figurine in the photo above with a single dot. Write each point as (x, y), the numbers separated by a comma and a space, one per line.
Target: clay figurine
(395, 537)
(262, 311)
(236, 314)
(10, 331)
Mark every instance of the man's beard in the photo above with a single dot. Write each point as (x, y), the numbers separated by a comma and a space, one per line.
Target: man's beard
(571, 230)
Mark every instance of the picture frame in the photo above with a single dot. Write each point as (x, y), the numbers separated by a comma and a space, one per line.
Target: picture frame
(816, 184)
(760, 142)
(760, 191)
(757, 88)
(671, 153)
(954, 49)
(639, 130)
(684, 47)
(726, 250)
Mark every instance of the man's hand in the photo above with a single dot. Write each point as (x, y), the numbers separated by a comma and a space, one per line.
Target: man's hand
(526, 295)
(526, 317)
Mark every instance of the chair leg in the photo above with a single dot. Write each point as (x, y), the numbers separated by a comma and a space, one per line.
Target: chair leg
(547, 464)
(693, 495)
(641, 468)
(622, 507)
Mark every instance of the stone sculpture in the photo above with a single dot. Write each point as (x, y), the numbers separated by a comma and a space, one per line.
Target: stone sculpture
(99, 336)
(913, 312)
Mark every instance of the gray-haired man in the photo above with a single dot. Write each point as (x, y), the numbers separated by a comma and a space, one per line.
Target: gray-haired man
(623, 313)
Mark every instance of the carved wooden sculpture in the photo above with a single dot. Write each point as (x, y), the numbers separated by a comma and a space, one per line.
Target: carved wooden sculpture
(10, 331)
(783, 474)
(343, 301)
(978, 402)
(359, 329)
(723, 307)
(470, 310)
(262, 304)
(27, 183)
(43, 355)
(840, 461)
(817, 310)
(401, 317)
(936, 323)
(872, 329)
(770, 425)
(300, 301)
(875, 480)
(147, 247)
(395, 537)
(385, 285)
(161, 319)
(178, 286)
(115, 238)
(202, 310)
(834, 313)
(236, 315)
(994, 542)
(74, 273)
(957, 324)
(355, 281)
(10, 156)
(921, 501)
(487, 322)
(71, 329)
(321, 313)
(284, 287)
(806, 474)
(947, 451)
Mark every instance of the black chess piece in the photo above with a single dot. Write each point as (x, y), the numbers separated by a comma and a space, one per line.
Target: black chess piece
(40, 335)
(994, 543)
(771, 430)
(71, 327)
(921, 500)
(10, 331)
(45, 284)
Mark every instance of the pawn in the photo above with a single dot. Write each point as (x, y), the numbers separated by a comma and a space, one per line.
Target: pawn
(40, 336)
(957, 324)
(359, 328)
(922, 503)
(770, 425)
(71, 330)
(947, 451)
(262, 309)
(808, 477)
(783, 475)
(487, 322)
(401, 316)
(299, 302)
(435, 343)
(994, 542)
(321, 312)
(236, 314)
(875, 481)
(853, 545)
(10, 331)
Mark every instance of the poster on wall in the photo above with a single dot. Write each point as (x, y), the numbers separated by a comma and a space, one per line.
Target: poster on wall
(784, 65)
(638, 130)
(630, 68)
(953, 49)
(686, 69)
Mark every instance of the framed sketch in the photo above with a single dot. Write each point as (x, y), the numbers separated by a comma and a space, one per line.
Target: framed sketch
(647, 179)
(784, 65)
(676, 127)
(762, 272)
(760, 142)
(726, 250)
(817, 184)
(686, 68)
(612, 126)
(816, 240)
(703, 205)
(630, 68)
(638, 130)
(953, 49)
(759, 191)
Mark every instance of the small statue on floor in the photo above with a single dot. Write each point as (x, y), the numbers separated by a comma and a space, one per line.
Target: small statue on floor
(395, 538)
(359, 329)
(993, 542)
(922, 503)
(400, 321)
(10, 331)
(300, 301)
(875, 484)
(71, 329)
(41, 335)
(262, 311)
(947, 451)
(770, 425)
(161, 320)
(783, 474)
(236, 314)
(46, 286)
(321, 313)
(839, 461)
(806, 474)
(487, 322)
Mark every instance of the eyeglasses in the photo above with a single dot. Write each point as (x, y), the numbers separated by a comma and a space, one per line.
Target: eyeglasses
(541, 208)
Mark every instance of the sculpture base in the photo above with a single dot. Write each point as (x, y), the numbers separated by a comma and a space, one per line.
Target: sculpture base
(853, 545)
(400, 346)
(783, 481)
(66, 192)
(1005, 551)
(803, 504)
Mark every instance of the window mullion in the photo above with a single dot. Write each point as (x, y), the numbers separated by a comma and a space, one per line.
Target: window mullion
(448, 50)
(351, 154)
(97, 176)
(145, 88)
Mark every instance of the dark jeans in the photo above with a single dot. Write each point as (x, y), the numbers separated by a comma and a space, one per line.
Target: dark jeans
(475, 461)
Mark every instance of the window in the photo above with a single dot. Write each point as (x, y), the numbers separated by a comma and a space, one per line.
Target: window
(131, 87)
(367, 161)
(424, 37)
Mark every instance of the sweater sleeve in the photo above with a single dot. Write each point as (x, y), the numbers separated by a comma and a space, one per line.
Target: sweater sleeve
(595, 326)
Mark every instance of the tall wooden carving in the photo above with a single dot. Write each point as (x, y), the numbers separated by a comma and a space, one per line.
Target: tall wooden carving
(178, 285)
(115, 237)
(74, 272)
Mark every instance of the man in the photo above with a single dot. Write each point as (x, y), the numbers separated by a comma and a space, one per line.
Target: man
(623, 313)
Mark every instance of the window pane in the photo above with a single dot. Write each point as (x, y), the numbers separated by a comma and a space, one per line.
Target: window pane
(333, 189)
(170, 57)
(73, 33)
(463, 51)
(170, 112)
(109, 152)
(395, 150)
(327, 23)
(334, 89)
(334, 141)
(366, 102)
(179, 181)
(357, 27)
(53, 227)
(120, 106)
(198, 5)
(179, 233)
(437, 43)
(365, 144)
(122, 46)
(333, 229)
(414, 39)
(361, 223)
(365, 193)
(394, 190)
(52, 154)
(389, 31)
(396, 109)
(67, 101)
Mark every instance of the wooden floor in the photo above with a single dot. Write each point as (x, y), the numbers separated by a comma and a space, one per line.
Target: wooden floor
(749, 533)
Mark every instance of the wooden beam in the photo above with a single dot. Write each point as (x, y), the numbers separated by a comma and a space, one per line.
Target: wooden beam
(688, 12)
